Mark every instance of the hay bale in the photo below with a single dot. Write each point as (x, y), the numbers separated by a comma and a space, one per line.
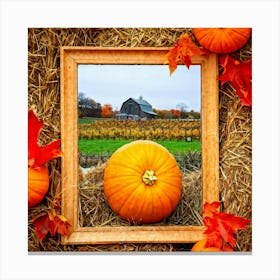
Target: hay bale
(236, 160)
(95, 211)
(44, 99)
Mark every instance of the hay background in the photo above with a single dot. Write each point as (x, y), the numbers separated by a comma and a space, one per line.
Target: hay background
(44, 99)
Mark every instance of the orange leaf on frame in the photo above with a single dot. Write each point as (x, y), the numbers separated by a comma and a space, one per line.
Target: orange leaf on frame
(38, 155)
(182, 52)
(209, 209)
(239, 74)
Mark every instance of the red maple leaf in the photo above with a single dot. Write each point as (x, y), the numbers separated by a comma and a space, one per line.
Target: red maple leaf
(182, 52)
(239, 74)
(221, 227)
(38, 155)
(50, 222)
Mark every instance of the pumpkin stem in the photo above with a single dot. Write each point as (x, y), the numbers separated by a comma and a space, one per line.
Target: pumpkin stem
(149, 178)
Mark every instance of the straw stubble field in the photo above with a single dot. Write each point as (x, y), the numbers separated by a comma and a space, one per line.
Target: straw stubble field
(235, 129)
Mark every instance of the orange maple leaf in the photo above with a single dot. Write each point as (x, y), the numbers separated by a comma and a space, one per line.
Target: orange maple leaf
(38, 155)
(239, 74)
(182, 52)
(221, 228)
(50, 222)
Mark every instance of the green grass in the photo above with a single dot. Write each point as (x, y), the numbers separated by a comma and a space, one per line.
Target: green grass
(101, 146)
(85, 120)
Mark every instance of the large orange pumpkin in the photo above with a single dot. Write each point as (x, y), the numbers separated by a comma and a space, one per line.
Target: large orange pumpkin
(142, 182)
(38, 184)
(222, 40)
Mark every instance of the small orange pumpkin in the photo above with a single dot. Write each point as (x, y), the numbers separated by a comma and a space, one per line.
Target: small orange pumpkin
(200, 246)
(142, 182)
(222, 40)
(38, 184)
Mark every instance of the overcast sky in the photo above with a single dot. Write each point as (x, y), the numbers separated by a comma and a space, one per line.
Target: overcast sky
(113, 84)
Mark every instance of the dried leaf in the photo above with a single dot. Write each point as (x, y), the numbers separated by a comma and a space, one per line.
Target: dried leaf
(182, 52)
(62, 225)
(239, 74)
(50, 222)
(38, 155)
(41, 224)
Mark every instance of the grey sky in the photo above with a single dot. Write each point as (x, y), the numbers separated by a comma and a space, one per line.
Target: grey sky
(113, 84)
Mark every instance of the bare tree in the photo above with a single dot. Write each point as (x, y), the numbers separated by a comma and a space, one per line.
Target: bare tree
(182, 107)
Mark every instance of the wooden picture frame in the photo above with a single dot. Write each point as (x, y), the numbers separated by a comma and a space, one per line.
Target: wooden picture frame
(70, 58)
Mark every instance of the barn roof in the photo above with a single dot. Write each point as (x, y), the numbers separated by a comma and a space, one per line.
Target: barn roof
(145, 106)
(142, 102)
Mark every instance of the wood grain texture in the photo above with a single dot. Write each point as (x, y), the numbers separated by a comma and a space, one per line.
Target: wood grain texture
(210, 130)
(70, 58)
(136, 234)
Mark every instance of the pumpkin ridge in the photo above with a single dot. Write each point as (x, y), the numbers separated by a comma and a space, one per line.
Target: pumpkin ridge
(243, 32)
(163, 198)
(142, 207)
(203, 37)
(157, 206)
(170, 183)
(172, 195)
(170, 166)
(173, 172)
(128, 199)
(123, 176)
(122, 164)
(139, 209)
(151, 153)
(119, 188)
(160, 160)
(119, 202)
(147, 205)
